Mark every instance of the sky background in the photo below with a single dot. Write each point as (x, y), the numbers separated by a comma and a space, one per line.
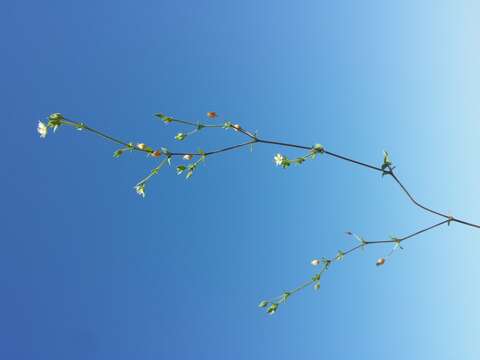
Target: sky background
(89, 270)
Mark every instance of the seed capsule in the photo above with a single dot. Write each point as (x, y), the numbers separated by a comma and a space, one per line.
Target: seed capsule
(315, 262)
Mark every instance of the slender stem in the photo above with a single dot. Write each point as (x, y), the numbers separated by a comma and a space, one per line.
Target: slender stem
(254, 139)
(355, 248)
(196, 125)
(215, 151)
(408, 236)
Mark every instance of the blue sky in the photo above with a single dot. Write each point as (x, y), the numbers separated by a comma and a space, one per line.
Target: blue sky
(89, 270)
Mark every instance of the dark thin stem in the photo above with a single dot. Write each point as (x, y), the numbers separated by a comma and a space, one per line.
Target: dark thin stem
(254, 139)
(196, 125)
(408, 236)
(413, 199)
(216, 151)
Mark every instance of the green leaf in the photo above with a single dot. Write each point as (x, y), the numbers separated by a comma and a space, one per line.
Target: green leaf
(386, 162)
(180, 169)
(118, 153)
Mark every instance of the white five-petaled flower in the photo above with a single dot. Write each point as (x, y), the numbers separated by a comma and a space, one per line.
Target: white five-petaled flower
(279, 158)
(140, 189)
(315, 262)
(42, 129)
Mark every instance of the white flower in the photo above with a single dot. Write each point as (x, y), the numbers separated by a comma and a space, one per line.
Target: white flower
(279, 159)
(187, 157)
(315, 262)
(42, 129)
(140, 189)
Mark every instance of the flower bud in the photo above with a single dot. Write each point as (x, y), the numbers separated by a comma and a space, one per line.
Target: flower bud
(56, 117)
(236, 127)
(212, 114)
(156, 153)
(315, 262)
(180, 136)
(141, 146)
(380, 262)
(264, 303)
(187, 157)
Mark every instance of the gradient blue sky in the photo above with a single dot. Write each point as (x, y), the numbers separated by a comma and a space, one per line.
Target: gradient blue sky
(88, 270)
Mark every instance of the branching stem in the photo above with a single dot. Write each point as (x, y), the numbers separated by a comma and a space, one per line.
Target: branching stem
(386, 169)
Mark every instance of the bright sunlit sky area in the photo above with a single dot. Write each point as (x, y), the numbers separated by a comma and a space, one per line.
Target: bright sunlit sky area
(90, 270)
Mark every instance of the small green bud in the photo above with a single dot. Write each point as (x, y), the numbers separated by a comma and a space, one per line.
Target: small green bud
(318, 148)
(180, 136)
(56, 117)
(166, 119)
(263, 304)
(272, 309)
(286, 295)
(340, 255)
